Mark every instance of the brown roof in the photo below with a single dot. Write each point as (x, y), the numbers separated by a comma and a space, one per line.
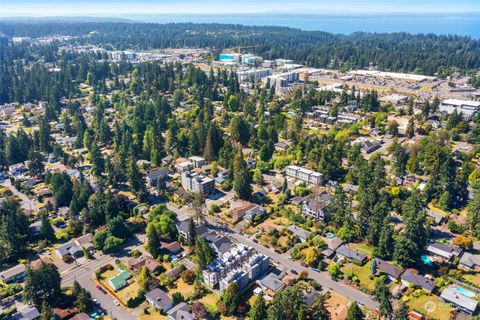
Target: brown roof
(36, 264)
(173, 247)
(151, 264)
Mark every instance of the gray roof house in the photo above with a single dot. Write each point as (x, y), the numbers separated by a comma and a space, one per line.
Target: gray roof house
(345, 251)
(28, 313)
(444, 250)
(302, 234)
(470, 261)
(464, 303)
(332, 245)
(222, 245)
(16, 273)
(411, 277)
(154, 176)
(270, 284)
(69, 249)
(388, 268)
(181, 311)
(159, 299)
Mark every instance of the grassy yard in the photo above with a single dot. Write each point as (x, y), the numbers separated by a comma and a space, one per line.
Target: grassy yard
(154, 315)
(473, 277)
(184, 288)
(438, 309)
(362, 272)
(210, 302)
(129, 291)
(363, 248)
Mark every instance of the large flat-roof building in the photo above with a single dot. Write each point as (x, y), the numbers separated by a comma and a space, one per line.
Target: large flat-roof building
(197, 182)
(306, 175)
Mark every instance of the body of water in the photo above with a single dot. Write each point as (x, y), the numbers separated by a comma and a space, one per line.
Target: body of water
(460, 24)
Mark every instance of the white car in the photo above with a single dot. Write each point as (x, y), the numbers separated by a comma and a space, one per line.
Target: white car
(116, 303)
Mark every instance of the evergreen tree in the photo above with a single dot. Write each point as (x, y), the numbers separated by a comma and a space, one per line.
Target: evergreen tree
(410, 129)
(231, 297)
(47, 312)
(259, 309)
(42, 284)
(153, 241)
(383, 296)
(46, 229)
(354, 312)
(191, 233)
(242, 178)
(318, 310)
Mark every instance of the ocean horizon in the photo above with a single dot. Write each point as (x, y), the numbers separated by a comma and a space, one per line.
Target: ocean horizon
(446, 24)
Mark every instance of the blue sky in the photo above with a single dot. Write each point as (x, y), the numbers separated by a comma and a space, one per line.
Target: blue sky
(132, 7)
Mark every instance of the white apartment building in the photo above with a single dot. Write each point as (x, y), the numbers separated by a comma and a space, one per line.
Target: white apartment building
(303, 174)
(241, 264)
(197, 182)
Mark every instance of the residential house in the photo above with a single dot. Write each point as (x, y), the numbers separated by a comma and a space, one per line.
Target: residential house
(466, 304)
(17, 168)
(181, 311)
(173, 247)
(81, 316)
(436, 217)
(445, 251)
(247, 211)
(157, 176)
(281, 146)
(119, 281)
(332, 245)
(148, 262)
(27, 313)
(302, 234)
(222, 245)
(392, 272)
(174, 273)
(68, 250)
(315, 206)
(470, 261)
(14, 274)
(411, 277)
(345, 252)
(85, 242)
(159, 300)
(270, 284)
(183, 229)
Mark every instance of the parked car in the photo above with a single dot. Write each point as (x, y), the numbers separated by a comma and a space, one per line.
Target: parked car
(101, 289)
(116, 303)
(294, 272)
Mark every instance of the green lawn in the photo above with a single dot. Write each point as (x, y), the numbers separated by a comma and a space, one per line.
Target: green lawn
(362, 272)
(473, 277)
(438, 309)
(363, 248)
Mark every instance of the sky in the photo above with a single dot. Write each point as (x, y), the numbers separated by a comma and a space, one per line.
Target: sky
(45, 8)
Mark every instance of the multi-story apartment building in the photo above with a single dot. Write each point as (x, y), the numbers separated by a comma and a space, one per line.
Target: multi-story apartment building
(197, 182)
(309, 176)
(241, 264)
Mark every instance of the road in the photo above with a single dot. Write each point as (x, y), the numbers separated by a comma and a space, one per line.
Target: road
(26, 202)
(323, 278)
(84, 275)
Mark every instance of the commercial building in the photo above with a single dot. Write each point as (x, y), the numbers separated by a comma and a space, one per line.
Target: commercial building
(303, 174)
(197, 182)
(467, 107)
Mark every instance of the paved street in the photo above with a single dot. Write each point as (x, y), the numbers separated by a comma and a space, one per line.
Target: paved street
(323, 278)
(25, 202)
(84, 274)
